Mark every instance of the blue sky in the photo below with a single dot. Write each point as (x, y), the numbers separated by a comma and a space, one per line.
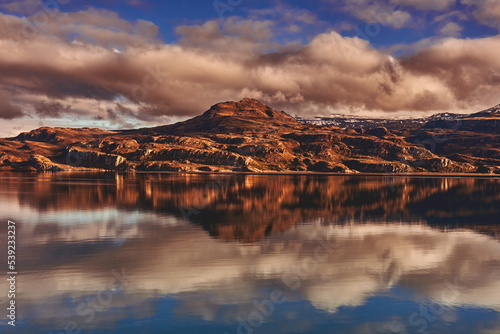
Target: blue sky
(170, 14)
(89, 62)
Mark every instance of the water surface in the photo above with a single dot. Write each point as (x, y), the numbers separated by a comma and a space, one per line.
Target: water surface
(253, 254)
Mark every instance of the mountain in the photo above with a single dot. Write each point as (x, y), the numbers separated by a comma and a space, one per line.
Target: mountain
(249, 136)
(246, 116)
(493, 112)
(487, 121)
(356, 122)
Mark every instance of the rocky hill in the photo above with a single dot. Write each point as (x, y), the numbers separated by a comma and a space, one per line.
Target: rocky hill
(248, 136)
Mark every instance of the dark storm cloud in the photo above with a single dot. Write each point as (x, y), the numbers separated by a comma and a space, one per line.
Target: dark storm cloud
(52, 109)
(7, 109)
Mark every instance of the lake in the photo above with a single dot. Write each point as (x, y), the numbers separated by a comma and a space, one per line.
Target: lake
(171, 253)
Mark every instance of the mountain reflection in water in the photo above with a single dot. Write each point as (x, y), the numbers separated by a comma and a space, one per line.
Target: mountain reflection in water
(202, 253)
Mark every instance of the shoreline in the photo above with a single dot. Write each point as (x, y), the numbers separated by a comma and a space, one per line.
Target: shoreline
(415, 175)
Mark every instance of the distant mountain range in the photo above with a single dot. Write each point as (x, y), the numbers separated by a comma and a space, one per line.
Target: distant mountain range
(248, 136)
(354, 122)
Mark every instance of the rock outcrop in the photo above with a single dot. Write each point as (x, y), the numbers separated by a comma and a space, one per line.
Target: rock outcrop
(43, 164)
(75, 156)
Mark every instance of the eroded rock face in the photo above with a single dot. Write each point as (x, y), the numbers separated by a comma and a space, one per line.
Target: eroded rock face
(370, 166)
(443, 165)
(43, 164)
(6, 158)
(85, 158)
(248, 136)
(203, 157)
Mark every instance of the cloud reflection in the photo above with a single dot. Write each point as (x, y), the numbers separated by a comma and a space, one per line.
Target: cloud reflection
(68, 254)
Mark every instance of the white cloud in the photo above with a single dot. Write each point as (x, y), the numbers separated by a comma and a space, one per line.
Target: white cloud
(439, 5)
(451, 29)
(486, 11)
(27, 7)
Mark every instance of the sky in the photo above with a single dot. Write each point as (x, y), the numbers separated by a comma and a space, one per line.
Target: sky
(136, 63)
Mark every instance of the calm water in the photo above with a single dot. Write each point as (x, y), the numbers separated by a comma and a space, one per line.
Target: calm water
(252, 254)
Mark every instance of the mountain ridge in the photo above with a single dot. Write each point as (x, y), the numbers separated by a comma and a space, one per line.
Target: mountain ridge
(249, 136)
(348, 121)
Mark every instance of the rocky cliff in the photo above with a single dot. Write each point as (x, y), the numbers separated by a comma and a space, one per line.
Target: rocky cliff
(248, 136)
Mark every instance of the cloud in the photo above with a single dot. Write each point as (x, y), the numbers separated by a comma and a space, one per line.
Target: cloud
(234, 34)
(464, 66)
(282, 13)
(345, 26)
(423, 5)
(487, 11)
(229, 61)
(137, 3)
(51, 109)
(457, 15)
(27, 7)
(451, 29)
(7, 109)
(439, 5)
(396, 14)
(378, 12)
(96, 26)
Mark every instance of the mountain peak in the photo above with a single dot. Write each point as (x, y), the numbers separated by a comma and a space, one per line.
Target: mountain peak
(234, 117)
(492, 112)
(496, 108)
(247, 108)
(250, 100)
